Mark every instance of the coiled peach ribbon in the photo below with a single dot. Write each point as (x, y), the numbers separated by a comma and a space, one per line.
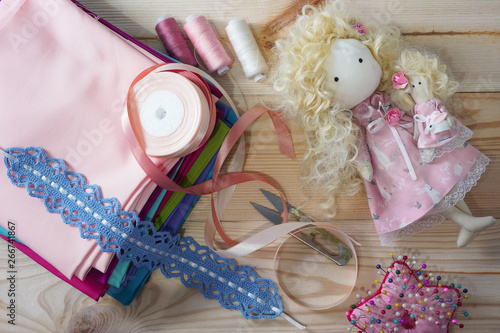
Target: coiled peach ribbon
(137, 141)
(223, 184)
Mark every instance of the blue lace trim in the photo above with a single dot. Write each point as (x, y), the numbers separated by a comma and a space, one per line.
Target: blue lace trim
(115, 230)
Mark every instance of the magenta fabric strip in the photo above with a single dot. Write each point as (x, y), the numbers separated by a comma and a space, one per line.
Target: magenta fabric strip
(94, 285)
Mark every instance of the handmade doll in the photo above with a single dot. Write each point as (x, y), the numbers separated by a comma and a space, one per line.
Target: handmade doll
(332, 69)
(436, 130)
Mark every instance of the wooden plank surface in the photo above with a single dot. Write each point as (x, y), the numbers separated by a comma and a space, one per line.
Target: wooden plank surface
(465, 33)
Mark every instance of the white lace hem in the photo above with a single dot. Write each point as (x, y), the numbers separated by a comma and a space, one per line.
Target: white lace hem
(427, 155)
(433, 217)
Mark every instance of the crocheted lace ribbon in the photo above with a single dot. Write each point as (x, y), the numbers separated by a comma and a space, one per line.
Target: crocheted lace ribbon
(115, 230)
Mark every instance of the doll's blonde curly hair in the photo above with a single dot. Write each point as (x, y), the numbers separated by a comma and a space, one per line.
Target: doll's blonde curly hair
(331, 132)
(427, 65)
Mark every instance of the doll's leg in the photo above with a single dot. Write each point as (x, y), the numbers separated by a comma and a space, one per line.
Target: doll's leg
(465, 236)
(470, 225)
(463, 207)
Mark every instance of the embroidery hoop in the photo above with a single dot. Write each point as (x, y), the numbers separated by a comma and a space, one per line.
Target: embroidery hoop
(353, 265)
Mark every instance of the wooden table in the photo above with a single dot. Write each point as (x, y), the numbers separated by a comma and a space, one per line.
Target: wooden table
(464, 33)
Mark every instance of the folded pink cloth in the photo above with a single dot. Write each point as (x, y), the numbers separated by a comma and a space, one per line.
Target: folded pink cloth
(63, 82)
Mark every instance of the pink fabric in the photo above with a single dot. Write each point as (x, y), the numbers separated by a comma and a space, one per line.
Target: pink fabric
(395, 200)
(94, 285)
(70, 67)
(432, 139)
(63, 83)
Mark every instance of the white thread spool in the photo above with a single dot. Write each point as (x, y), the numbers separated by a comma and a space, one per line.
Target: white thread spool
(247, 50)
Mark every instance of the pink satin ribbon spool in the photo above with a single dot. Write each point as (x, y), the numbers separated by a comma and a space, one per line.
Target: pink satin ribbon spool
(171, 113)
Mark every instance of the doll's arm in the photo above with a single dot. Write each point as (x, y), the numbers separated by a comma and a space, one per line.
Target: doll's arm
(363, 159)
(366, 171)
(416, 132)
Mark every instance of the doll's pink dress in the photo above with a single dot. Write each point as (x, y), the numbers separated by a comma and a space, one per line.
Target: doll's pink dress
(400, 205)
(433, 141)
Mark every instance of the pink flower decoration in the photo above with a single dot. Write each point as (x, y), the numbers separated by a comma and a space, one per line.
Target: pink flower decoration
(399, 81)
(359, 28)
(408, 304)
(393, 116)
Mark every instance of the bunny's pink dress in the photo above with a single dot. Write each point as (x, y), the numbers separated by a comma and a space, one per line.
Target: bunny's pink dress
(406, 196)
(439, 132)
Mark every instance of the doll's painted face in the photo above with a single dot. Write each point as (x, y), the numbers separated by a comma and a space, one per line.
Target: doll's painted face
(353, 73)
(418, 88)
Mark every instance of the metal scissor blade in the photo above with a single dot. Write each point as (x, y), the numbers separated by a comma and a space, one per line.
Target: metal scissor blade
(307, 238)
(271, 215)
(276, 201)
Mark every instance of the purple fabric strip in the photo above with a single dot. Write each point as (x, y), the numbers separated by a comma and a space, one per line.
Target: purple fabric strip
(102, 278)
(179, 214)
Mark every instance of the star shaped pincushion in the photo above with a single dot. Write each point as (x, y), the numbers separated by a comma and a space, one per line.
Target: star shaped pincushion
(408, 301)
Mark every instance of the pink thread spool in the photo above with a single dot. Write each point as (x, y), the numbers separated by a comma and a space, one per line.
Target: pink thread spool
(207, 44)
(172, 39)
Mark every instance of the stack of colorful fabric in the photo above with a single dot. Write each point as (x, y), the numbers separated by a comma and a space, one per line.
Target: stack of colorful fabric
(168, 209)
(63, 87)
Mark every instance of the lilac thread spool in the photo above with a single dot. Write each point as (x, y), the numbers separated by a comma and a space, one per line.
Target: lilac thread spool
(207, 44)
(172, 39)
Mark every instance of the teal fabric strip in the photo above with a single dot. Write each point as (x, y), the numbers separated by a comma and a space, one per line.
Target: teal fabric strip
(5, 233)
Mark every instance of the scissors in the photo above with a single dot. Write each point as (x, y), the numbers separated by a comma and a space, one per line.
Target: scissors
(306, 238)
